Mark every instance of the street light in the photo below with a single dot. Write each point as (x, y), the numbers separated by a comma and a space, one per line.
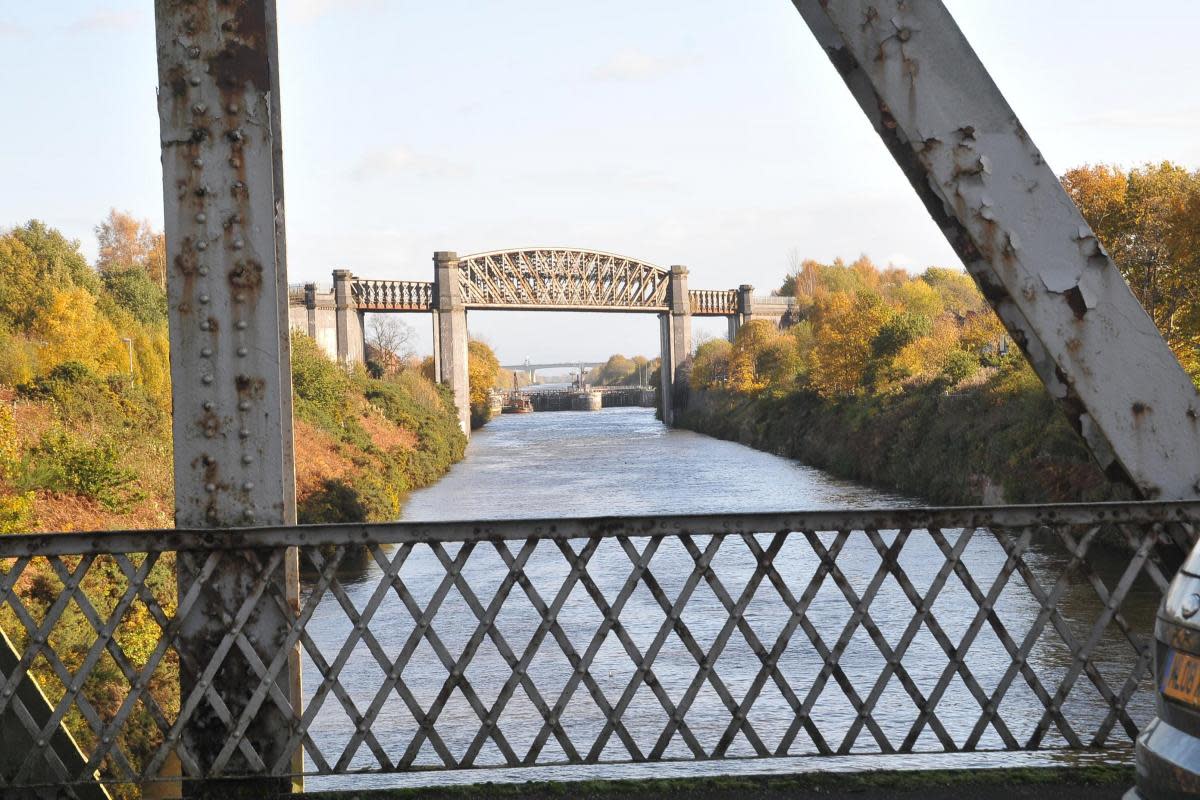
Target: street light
(129, 345)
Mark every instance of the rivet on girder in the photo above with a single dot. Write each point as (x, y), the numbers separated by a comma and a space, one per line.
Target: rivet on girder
(206, 379)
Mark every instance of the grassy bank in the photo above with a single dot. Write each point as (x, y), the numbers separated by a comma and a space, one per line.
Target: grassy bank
(996, 437)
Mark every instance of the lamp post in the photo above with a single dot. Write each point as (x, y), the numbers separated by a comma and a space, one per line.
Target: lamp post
(129, 346)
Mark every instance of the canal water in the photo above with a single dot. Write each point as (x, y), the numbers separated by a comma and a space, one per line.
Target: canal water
(622, 461)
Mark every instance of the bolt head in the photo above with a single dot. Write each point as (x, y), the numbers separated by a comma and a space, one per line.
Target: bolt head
(206, 379)
(240, 325)
(210, 487)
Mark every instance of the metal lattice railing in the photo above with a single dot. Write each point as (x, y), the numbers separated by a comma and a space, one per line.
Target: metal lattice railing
(516, 643)
(373, 295)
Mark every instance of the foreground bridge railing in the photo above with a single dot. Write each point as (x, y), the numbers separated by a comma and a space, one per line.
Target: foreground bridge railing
(516, 643)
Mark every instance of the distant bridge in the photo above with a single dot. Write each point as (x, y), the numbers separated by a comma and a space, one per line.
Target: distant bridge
(530, 279)
(556, 365)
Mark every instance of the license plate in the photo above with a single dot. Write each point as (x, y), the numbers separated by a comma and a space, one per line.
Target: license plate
(1182, 681)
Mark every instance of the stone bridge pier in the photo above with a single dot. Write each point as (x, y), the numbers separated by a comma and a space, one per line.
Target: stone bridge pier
(675, 327)
(450, 333)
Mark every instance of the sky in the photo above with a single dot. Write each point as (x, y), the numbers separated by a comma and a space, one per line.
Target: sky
(707, 133)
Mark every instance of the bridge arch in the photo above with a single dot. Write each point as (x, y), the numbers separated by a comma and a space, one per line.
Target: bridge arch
(564, 279)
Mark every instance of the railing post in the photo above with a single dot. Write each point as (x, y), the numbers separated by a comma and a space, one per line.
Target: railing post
(452, 334)
(351, 345)
(231, 386)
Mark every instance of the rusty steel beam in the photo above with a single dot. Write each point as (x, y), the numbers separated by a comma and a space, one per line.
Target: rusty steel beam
(1034, 257)
(223, 197)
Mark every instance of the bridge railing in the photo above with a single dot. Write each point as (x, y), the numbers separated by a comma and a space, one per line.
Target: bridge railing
(376, 295)
(537, 642)
(713, 302)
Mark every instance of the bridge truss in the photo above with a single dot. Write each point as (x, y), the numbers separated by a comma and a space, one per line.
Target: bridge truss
(564, 278)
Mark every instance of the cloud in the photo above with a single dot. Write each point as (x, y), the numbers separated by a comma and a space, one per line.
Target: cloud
(635, 65)
(401, 160)
(107, 20)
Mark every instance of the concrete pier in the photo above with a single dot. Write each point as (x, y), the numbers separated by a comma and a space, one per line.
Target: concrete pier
(452, 334)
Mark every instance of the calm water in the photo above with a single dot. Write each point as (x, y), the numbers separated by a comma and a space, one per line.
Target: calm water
(622, 461)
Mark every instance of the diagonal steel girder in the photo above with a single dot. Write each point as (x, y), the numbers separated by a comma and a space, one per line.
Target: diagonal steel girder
(1017, 232)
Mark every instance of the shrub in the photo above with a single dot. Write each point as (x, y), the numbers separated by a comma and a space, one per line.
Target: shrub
(60, 462)
(959, 365)
(133, 290)
(317, 381)
(16, 512)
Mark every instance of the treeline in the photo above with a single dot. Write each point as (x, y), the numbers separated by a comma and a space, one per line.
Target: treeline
(620, 370)
(909, 382)
(85, 432)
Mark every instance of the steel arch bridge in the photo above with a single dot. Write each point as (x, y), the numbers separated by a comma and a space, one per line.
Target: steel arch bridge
(547, 279)
(562, 278)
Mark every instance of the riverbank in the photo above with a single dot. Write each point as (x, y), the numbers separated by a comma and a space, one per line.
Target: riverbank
(996, 438)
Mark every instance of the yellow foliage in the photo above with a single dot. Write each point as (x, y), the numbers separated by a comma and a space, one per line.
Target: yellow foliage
(924, 356)
(842, 349)
(74, 329)
(916, 297)
(758, 357)
(710, 366)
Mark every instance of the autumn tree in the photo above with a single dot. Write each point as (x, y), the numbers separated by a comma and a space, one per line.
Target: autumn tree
(126, 243)
(483, 369)
(710, 365)
(1149, 221)
(848, 325)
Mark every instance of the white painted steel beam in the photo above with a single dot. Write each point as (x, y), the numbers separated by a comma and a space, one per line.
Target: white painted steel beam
(1003, 211)
(218, 99)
